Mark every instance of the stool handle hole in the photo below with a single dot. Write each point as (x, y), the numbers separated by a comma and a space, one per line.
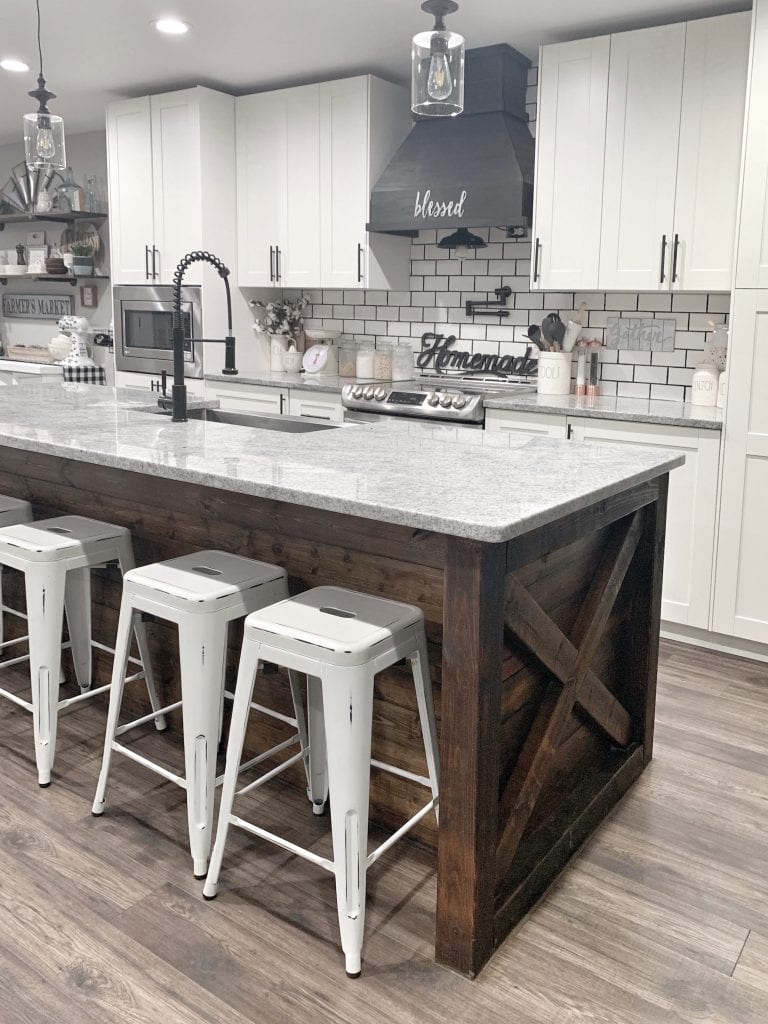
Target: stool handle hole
(341, 613)
(206, 570)
(57, 529)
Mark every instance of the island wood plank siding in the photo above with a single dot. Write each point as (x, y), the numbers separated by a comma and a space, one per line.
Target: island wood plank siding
(533, 642)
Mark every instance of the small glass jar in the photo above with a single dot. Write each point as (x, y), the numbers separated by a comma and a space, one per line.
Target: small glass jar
(402, 361)
(364, 364)
(382, 364)
(347, 358)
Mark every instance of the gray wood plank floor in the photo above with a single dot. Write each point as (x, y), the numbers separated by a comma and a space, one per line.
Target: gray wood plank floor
(663, 918)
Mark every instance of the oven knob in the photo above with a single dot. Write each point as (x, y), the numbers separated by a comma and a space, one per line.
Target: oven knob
(357, 392)
(459, 402)
(368, 393)
(445, 401)
(380, 394)
(433, 398)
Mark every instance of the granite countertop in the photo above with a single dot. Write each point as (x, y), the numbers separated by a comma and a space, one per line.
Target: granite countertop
(23, 366)
(632, 410)
(475, 489)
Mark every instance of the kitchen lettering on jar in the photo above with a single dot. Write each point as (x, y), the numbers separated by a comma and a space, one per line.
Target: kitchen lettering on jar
(427, 207)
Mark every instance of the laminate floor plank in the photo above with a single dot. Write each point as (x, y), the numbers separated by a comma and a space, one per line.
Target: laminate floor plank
(662, 919)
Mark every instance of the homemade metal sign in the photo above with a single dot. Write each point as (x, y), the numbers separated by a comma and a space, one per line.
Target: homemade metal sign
(437, 353)
(37, 307)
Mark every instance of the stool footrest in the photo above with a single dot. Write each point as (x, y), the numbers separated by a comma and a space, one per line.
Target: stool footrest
(12, 611)
(9, 643)
(284, 844)
(266, 711)
(275, 771)
(14, 661)
(153, 766)
(12, 696)
(146, 718)
(382, 849)
(394, 770)
(86, 695)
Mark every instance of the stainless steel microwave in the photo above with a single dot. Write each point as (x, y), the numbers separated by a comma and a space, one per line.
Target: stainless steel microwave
(143, 316)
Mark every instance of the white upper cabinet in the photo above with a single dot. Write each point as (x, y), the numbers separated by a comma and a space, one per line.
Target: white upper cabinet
(752, 253)
(641, 141)
(171, 177)
(278, 188)
(711, 126)
(570, 147)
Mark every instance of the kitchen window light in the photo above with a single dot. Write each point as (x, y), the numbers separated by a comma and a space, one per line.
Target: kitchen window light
(437, 65)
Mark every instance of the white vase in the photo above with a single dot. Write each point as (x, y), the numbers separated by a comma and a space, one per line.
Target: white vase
(554, 375)
(278, 344)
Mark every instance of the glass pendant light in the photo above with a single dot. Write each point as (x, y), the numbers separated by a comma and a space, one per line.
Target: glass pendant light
(437, 65)
(43, 131)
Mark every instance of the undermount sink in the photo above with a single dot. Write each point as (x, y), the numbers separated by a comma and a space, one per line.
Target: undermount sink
(285, 424)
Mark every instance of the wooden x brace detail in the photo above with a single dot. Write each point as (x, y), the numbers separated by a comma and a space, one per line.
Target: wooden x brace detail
(575, 683)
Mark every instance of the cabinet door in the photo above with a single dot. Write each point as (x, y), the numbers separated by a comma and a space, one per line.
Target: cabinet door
(299, 260)
(691, 509)
(319, 407)
(131, 221)
(711, 126)
(261, 183)
(176, 182)
(535, 424)
(752, 252)
(741, 594)
(344, 185)
(643, 125)
(253, 398)
(570, 148)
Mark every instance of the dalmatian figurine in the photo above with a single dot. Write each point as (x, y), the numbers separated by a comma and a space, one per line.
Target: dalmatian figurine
(76, 327)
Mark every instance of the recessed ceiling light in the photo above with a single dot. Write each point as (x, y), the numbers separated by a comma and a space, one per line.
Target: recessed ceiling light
(11, 64)
(171, 26)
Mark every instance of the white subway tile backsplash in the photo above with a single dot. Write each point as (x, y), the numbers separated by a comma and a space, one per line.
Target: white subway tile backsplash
(651, 374)
(435, 284)
(719, 302)
(704, 321)
(689, 302)
(681, 376)
(423, 267)
(633, 390)
(621, 301)
(619, 371)
(658, 302)
(638, 358)
(667, 393)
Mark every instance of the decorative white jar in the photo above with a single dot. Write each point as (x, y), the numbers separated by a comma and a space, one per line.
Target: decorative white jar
(705, 385)
(554, 376)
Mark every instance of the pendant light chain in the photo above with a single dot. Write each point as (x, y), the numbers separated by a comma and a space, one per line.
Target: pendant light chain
(39, 43)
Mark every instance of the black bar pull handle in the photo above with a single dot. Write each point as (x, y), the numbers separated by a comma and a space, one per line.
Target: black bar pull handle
(271, 263)
(359, 262)
(146, 262)
(663, 259)
(536, 254)
(155, 261)
(675, 251)
(278, 272)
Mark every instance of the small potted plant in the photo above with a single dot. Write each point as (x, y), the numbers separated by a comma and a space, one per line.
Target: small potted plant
(82, 258)
(284, 324)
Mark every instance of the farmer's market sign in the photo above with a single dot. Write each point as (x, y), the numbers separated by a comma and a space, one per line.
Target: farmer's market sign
(37, 307)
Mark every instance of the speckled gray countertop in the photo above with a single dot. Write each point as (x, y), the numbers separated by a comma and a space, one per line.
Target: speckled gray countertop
(475, 489)
(633, 410)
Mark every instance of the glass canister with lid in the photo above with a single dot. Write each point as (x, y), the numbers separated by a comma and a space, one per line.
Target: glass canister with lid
(347, 358)
(364, 363)
(402, 360)
(382, 363)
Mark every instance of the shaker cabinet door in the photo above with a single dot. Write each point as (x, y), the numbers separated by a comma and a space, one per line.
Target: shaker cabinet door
(261, 184)
(131, 219)
(644, 96)
(299, 258)
(570, 150)
(176, 182)
(752, 253)
(741, 594)
(711, 126)
(344, 182)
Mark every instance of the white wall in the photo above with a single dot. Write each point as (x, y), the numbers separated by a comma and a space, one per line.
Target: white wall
(87, 154)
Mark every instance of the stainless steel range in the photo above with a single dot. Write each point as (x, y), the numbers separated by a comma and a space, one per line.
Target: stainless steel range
(458, 400)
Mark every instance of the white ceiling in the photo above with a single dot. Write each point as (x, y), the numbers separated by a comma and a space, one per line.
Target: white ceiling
(97, 50)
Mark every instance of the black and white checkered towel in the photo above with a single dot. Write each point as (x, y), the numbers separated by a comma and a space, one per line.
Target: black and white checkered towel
(85, 374)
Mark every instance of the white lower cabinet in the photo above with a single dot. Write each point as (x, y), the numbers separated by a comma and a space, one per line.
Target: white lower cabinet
(254, 398)
(144, 381)
(691, 510)
(533, 423)
(319, 407)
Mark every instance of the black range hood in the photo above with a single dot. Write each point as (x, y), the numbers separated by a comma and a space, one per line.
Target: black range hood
(474, 170)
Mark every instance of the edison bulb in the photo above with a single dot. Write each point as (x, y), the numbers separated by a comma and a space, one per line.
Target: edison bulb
(439, 84)
(44, 144)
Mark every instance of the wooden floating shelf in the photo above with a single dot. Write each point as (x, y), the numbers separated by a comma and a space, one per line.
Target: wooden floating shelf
(61, 278)
(55, 216)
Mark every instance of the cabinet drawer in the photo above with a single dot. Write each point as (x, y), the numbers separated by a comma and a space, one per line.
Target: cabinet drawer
(536, 424)
(247, 397)
(320, 407)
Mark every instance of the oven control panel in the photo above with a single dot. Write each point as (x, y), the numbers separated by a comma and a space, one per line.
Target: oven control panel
(417, 402)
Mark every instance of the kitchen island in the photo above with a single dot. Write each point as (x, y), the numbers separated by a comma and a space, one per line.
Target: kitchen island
(538, 567)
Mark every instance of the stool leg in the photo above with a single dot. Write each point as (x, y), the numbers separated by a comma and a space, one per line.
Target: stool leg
(317, 767)
(295, 683)
(45, 585)
(77, 602)
(203, 648)
(348, 702)
(126, 562)
(246, 677)
(420, 669)
(2, 616)
(119, 671)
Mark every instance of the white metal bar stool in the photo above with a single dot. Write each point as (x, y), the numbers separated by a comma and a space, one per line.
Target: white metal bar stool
(12, 512)
(340, 639)
(201, 593)
(56, 557)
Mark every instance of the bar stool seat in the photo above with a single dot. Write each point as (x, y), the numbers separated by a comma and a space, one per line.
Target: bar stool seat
(201, 593)
(340, 639)
(56, 557)
(12, 511)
